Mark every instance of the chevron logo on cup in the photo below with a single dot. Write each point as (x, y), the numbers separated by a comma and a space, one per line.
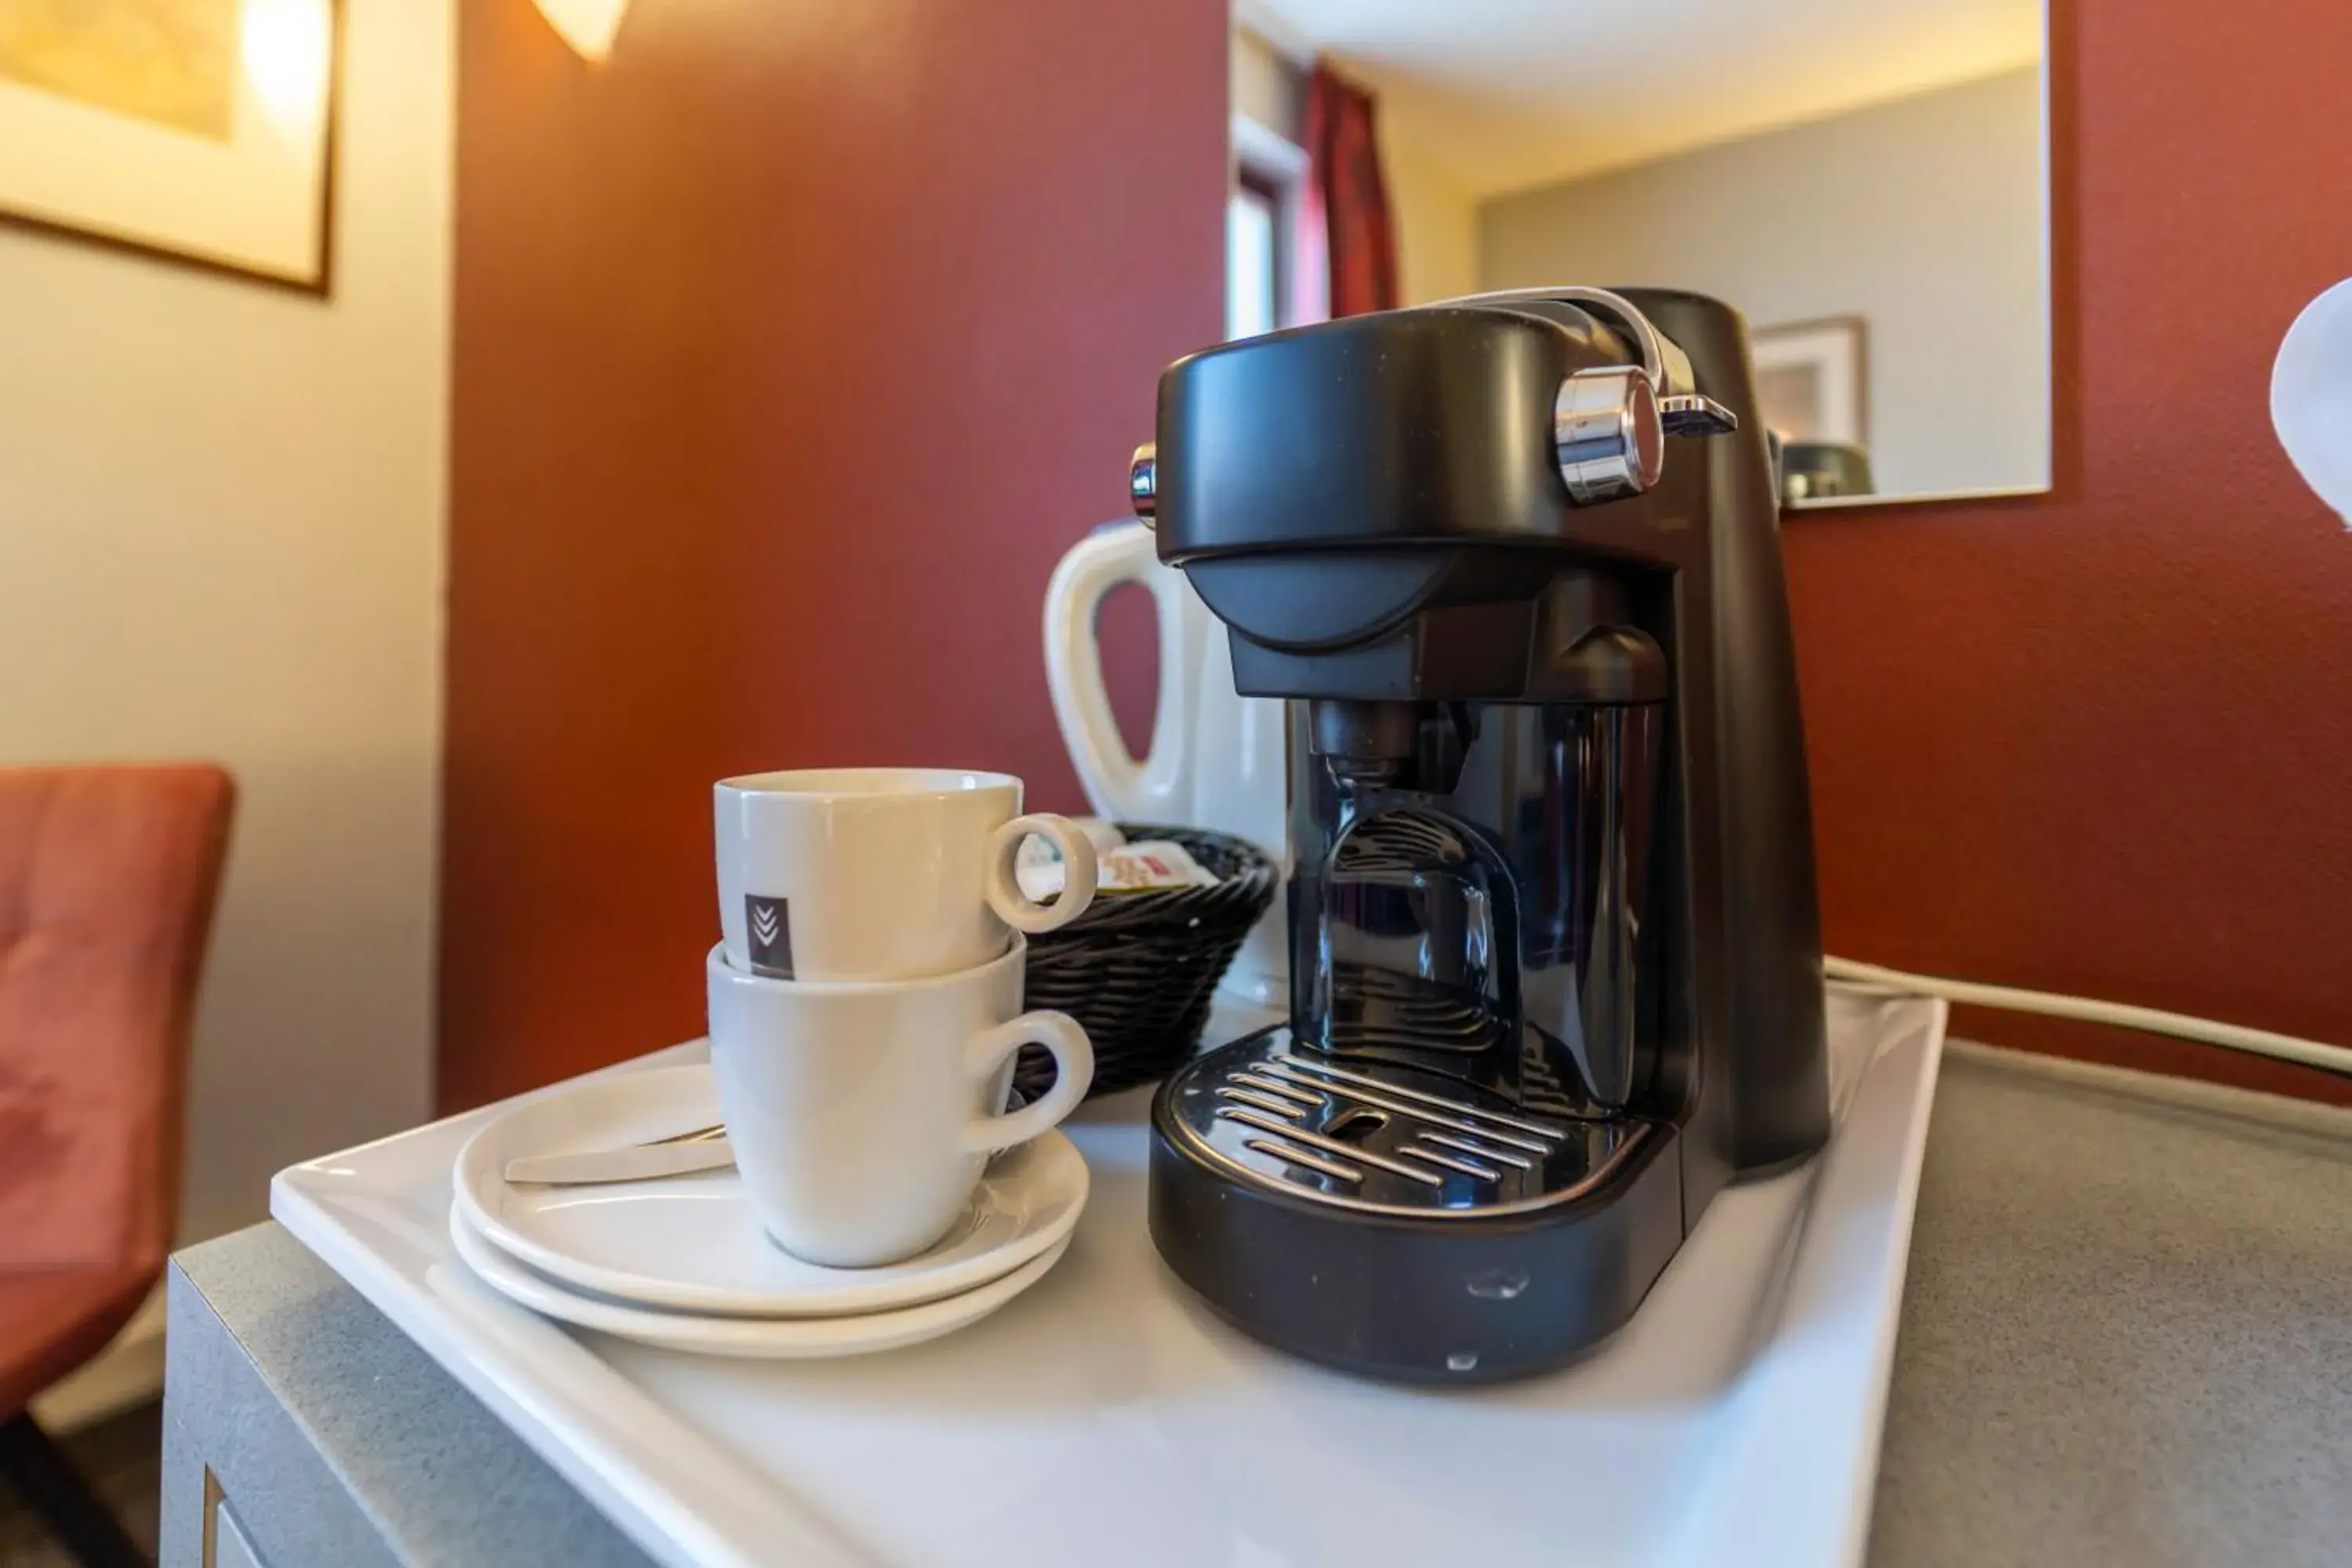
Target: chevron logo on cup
(772, 936)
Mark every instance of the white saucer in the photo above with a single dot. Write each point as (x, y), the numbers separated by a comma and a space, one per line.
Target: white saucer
(758, 1339)
(692, 1243)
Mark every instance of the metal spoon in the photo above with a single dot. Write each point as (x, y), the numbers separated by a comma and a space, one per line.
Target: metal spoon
(680, 1155)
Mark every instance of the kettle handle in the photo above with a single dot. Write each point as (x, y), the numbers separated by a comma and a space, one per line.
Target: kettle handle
(1117, 783)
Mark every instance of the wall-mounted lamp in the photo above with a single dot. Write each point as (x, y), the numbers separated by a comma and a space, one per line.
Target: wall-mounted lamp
(588, 25)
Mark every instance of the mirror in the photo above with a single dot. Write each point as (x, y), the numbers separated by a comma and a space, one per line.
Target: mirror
(1867, 183)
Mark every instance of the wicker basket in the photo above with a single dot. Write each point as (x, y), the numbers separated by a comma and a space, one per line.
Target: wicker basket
(1138, 969)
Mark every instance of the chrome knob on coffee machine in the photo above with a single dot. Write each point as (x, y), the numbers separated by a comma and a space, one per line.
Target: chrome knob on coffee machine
(1555, 944)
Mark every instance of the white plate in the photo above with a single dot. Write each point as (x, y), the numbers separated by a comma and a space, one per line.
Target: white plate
(692, 1243)
(758, 1339)
(1108, 1418)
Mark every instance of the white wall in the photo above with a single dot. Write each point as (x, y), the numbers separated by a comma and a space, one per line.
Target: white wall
(221, 536)
(1436, 224)
(1924, 216)
(1266, 86)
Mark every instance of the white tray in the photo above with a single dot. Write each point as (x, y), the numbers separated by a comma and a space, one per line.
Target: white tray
(1106, 1417)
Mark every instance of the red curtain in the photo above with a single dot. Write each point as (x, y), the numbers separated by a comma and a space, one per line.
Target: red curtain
(1360, 234)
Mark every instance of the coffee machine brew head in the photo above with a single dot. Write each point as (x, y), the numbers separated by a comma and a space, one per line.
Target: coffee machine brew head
(1555, 947)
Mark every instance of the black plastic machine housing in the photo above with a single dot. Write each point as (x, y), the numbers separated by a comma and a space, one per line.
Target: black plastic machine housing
(1374, 508)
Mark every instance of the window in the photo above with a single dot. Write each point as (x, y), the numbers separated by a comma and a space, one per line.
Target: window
(1253, 258)
(1264, 233)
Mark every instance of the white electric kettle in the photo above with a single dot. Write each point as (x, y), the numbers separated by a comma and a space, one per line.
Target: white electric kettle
(1216, 759)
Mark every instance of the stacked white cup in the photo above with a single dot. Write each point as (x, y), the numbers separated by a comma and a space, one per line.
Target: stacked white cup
(866, 999)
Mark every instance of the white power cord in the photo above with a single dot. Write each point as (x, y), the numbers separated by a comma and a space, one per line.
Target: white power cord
(2235, 1037)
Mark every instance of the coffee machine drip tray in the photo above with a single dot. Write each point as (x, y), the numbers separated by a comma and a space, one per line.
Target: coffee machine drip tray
(1381, 1139)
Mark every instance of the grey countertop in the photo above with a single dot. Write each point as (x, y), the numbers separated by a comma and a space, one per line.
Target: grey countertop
(2127, 1338)
(2127, 1327)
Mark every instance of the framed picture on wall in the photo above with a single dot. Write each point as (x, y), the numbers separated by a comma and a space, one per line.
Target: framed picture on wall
(1813, 380)
(202, 130)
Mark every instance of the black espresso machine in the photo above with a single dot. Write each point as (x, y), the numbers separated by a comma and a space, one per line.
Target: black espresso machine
(1555, 945)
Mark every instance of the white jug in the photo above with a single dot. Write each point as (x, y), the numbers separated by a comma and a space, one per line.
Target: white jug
(1216, 760)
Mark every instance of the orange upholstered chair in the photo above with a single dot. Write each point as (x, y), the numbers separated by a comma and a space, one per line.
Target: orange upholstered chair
(107, 881)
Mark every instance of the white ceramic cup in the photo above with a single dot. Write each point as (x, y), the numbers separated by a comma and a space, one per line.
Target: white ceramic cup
(863, 1114)
(881, 873)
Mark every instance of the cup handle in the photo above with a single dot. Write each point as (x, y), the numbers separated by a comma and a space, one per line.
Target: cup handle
(1074, 1059)
(1078, 873)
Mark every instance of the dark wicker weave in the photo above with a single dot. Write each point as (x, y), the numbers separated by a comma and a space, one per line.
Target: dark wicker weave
(1138, 969)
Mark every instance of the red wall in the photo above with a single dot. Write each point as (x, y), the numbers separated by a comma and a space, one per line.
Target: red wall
(794, 344)
(2102, 742)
